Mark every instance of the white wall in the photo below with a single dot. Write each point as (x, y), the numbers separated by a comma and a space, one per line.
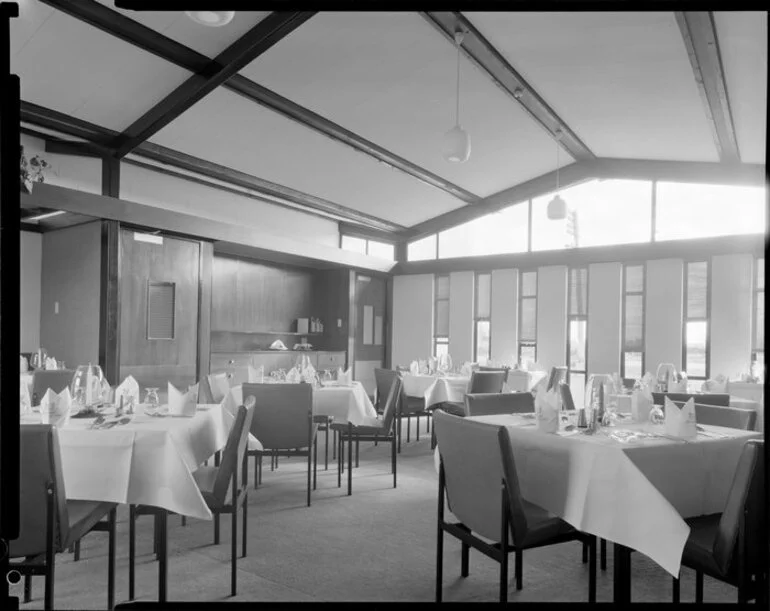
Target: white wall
(663, 313)
(412, 328)
(504, 327)
(70, 171)
(604, 317)
(168, 192)
(31, 262)
(461, 305)
(552, 316)
(731, 314)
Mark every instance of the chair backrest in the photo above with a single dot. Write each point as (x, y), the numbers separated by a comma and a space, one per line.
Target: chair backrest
(487, 368)
(487, 381)
(55, 379)
(488, 404)
(519, 524)
(281, 415)
(40, 465)
(557, 374)
(746, 494)
(733, 417)
(232, 455)
(473, 474)
(566, 397)
(384, 380)
(719, 399)
(392, 400)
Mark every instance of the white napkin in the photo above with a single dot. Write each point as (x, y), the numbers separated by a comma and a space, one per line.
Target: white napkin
(414, 368)
(50, 363)
(23, 364)
(229, 404)
(641, 404)
(717, 384)
(182, 404)
(308, 374)
(293, 376)
(466, 370)
(25, 403)
(220, 386)
(680, 422)
(129, 390)
(547, 411)
(256, 374)
(344, 377)
(55, 409)
(648, 382)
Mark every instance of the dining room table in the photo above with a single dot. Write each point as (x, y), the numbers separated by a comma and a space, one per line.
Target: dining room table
(436, 388)
(631, 484)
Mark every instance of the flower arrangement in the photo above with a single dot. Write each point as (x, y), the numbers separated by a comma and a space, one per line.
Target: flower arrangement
(31, 171)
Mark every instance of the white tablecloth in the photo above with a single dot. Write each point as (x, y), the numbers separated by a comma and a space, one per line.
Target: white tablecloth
(520, 381)
(635, 495)
(149, 461)
(436, 389)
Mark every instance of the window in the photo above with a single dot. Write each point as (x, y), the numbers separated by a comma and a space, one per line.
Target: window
(758, 354)
(696, 326)
(441, 316)
(481, 324)
(577, 332)
(422, 250)
(684, 210)
(603, 213)
(497, 233)
(373, 248)
(632, 343)
(527, 317)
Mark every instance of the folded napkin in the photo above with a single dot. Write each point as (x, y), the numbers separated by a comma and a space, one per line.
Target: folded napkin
(50, 363)
(414, 368)
(308, 374)
(55, 409)
(25, 403)
(229, 404)
(680, 422)
(220, 386)
(129, 390)
(466, 370)
(641, 404)
(182, 404)
(23, 364)
(256, 374)
(344, 377)
(547, 411)
(717, 384)
(293, 376)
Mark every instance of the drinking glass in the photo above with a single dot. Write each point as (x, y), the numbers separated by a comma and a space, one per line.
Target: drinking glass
(327, 375)
(657, 417)
(86, 387)
(597, 395)
(151, 401)
(665, 375)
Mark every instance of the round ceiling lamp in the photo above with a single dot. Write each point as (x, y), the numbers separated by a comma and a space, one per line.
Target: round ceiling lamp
(457, 141)
(212, 19)
(557, 207)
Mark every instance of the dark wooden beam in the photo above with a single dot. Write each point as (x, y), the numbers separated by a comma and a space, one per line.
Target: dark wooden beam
(80, 149)
(65, 124)
(127, 29)
(109, 302)
(238, 55)
(111, 177)
(481, 52)
(358, 231)
(700, 38)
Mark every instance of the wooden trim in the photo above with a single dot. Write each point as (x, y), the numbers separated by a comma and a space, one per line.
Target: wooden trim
(387, 332)
(109, 302)
(238, 55)
(482, 53)
(703, 172)
(110, 177)
(700, 38)
(367, 233)
(205, 283)
(80, 149)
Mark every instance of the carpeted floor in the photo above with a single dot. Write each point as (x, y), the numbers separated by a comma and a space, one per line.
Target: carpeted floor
(377, 545)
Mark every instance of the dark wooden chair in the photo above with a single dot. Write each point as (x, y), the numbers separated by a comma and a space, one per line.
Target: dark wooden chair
(567, 403)
(478, 475)
(488, 404)
(718, 399)
(55, 379)
(214, 484)
(731, 417)
(49, 523)
(482, 382)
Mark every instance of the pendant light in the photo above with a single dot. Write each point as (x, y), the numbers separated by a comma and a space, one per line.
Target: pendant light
(557, 207)
(457, 142)
(212, 19)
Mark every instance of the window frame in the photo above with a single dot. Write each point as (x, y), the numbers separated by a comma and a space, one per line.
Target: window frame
(477, 319)
(687, 319)
(366, 240)
(625, 294)
(757, 294)
(576, 318)
(520, 342)
(439, 339)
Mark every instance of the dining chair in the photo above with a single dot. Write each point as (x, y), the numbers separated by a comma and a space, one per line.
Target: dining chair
(409, 407)
(488, 368)
(214, 484)
(732, 546)
(556, 376)
(49, 522)
(383, 428)
(283, 423)
(711, 398)
(731, 417)
(55, 379)
(477, 477)
(488, 404)
(481, 382)
(567, 403)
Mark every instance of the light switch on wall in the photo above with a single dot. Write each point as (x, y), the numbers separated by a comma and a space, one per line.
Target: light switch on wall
(55, 307)
(339, 322)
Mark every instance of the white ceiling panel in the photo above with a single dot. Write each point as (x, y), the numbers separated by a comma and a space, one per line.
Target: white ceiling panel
(72, 67)
(391, 78)
(622, 81)
(179, 27)
(743, 45)
(228, 129)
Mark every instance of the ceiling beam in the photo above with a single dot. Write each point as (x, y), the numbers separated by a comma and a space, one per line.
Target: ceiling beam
(481, 52)
(700, 38)
(279, 194)
(241, 53)
(147, 39)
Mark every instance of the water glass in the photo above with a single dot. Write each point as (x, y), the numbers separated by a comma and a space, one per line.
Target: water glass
(151, 401)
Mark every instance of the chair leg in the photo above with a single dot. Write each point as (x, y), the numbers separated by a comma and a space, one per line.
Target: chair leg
(339, 460)
(245, 511)
(399, 421)
(592, 571)
(163, 564)
(131, 549)
(585, 552)
(519, 569)
(234, 550)
(408, 428)
(216, 529)
(698, 586)
(315, 462)
(350, 459)
(257, 460)
(356, 453)
(260, 467)
(417, 427)
(326, 448)
(675, 587)
(111, 561)
(393, 462)
(439, 561)
(465, 554)
(76, 550)
(603, 554)
(216, 458)
(155, 545)
(335, 445)
(27, 588)
(184, 520)
(309, 474)
(427, 422)
(49, 582)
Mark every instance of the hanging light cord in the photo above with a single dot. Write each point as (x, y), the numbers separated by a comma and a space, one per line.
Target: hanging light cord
(557, 163)
(457, 109)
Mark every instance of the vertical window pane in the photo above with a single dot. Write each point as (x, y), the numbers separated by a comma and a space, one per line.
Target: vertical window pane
(577, 344)
(482, 342)
(761, 274)
(354, 244)
(578, 289)
(442, 287)
(632, 365)
(381, 250)
(695, 342)
(634, 278)
(442, 317)
(442, 349)
(634, 339)
(527, 352)
(483, 295)
(422, 250)
(529, 284)
(496, 233)
(577, 386)
(697, 285)
(528, 331)
(759, 332)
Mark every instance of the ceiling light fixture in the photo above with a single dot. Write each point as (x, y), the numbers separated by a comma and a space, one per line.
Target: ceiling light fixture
(40, 217)
(557, 207)
(213, 19)
(457, 142)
